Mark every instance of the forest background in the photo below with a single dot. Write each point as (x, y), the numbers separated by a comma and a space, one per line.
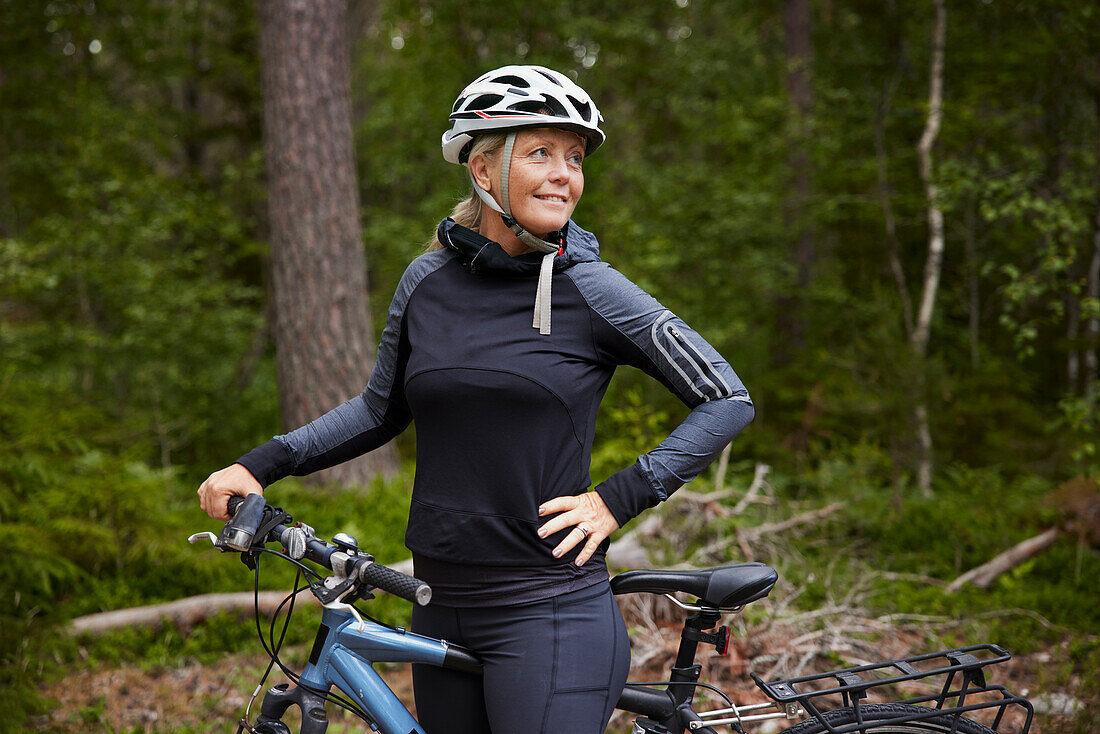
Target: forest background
(763, 177)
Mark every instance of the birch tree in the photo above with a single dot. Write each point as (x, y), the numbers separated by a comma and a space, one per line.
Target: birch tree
(934, 263)
(1092, 294)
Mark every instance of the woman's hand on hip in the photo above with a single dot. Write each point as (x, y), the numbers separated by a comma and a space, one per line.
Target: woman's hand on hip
(590, 518)
(215, 492)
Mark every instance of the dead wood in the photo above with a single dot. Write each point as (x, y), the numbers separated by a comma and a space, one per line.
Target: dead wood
(751, 534)
(759, 480)
(183, 612)
(985, 574)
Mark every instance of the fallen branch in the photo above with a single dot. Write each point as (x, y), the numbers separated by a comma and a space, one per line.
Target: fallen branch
(759, 478)
(720, 493)
(779, 527)
(985, 574)
(747, 536)
(183, 612)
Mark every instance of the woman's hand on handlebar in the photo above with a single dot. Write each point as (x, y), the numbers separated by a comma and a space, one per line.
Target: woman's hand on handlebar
(215, 492)
(583, 511)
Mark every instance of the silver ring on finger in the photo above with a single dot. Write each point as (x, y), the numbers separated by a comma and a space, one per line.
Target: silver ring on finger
(584, 529)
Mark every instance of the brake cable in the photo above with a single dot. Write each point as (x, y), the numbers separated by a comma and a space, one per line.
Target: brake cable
(282, 635)
(340, 701)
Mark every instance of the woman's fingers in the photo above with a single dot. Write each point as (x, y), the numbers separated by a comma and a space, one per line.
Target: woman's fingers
(575, 536)
(588, 549)
(563, 505)
(215, 492)
(558, 504)
(589, 517)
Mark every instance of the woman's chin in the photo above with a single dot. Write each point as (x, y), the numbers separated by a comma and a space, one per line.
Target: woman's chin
(545, 225)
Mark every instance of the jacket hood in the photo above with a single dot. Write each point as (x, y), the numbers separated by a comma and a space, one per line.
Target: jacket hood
(481, 254)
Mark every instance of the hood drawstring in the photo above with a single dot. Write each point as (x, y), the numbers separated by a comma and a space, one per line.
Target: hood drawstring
(541, 320)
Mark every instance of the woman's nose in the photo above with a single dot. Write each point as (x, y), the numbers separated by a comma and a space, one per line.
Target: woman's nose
(559, 171)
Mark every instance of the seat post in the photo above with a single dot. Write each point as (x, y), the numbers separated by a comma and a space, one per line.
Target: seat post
(685, 670)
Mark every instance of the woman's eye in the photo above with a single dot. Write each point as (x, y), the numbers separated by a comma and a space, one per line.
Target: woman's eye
(576, 159)
(542, 152)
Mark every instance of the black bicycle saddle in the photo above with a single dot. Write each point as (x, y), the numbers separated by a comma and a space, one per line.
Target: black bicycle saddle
(723, 587)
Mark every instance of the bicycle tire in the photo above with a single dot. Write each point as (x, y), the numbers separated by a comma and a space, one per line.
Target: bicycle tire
(878, 716)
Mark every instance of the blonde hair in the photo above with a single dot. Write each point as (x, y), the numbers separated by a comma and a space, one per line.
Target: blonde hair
(468, 211)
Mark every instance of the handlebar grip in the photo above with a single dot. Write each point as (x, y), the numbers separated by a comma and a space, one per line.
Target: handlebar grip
(248, 515)
(234, 502)
(396, 583)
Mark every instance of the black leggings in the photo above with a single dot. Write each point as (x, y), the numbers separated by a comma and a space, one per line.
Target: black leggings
(551, 666)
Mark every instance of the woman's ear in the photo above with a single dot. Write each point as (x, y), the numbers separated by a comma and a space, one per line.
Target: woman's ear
(479, 170)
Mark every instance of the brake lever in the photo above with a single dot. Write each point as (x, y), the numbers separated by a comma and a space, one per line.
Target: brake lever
(213, 541)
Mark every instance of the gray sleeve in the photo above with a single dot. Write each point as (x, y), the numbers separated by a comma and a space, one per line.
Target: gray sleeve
(631, 327)
(364, 422)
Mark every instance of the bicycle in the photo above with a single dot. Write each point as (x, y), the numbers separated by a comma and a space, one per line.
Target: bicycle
(349, 642)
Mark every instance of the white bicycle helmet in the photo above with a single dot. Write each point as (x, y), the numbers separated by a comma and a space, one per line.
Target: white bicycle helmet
(510, 99)
(516, 97)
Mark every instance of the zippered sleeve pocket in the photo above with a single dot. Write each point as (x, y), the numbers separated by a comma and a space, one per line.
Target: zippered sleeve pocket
(689, 361)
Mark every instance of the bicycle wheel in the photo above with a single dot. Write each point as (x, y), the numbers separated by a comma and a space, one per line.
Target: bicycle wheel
(878, 715)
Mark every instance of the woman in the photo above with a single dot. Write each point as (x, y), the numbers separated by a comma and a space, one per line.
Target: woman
(501, 525)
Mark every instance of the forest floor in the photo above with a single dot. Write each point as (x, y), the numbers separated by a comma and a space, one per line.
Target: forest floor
(189, 696)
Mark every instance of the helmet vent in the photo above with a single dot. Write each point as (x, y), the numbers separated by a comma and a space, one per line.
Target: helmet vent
(485, 101)
(513, 80)
(548, 76)
(582, 107)
(545, 106)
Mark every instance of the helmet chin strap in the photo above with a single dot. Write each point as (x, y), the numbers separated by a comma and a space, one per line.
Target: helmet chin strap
(541, 320)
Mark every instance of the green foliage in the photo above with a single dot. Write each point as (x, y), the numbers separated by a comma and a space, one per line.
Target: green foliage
(89, 530)
(1079, 418)
(133, 332)
(975, 515)
(70, 515)
(124, 263)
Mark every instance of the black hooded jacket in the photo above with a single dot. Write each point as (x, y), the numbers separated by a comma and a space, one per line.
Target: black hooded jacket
(505, 416)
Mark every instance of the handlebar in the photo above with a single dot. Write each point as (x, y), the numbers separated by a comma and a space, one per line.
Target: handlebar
(300, 541)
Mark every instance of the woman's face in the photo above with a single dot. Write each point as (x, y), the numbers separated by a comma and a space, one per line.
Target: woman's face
(545, 180)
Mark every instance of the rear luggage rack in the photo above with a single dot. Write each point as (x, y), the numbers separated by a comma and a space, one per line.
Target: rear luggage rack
(964, 685)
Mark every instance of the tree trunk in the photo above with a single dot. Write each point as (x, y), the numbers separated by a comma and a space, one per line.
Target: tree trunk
(1073, 359)
(1092, 326)
(972, 268)
(322, 329)
(934, 264)
(1092, 291)
(799, 52)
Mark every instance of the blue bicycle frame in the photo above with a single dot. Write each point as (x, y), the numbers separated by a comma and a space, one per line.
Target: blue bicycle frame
(342, 656)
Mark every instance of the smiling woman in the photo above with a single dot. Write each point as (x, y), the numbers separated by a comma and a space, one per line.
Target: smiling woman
(545, 182)
(502, 524)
